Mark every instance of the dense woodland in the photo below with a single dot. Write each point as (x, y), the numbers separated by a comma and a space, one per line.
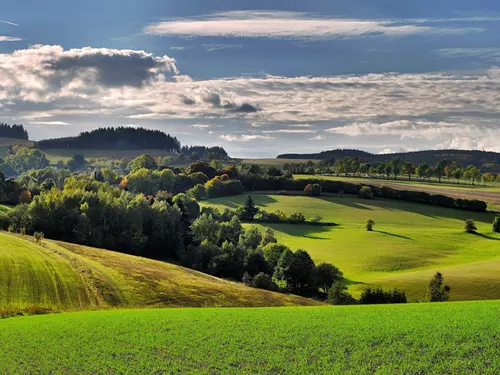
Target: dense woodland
(116, 138)
(13, 131)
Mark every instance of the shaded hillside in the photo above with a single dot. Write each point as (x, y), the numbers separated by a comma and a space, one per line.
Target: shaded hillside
(464, 157)
(62, 276)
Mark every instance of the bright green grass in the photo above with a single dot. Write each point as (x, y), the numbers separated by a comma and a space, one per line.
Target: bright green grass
(61, 276)
(447, 338)
(410, 242)
(4, 208)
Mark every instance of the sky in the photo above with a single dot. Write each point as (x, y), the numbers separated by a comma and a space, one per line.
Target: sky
(259, 78)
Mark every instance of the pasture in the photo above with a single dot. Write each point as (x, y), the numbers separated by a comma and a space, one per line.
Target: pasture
(410, 242)
(54, 155)
(443, 338)
(60, 276)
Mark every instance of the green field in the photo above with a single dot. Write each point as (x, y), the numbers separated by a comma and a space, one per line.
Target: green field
(444, 338)
(60, 276)
(410, 242)
(5, 143)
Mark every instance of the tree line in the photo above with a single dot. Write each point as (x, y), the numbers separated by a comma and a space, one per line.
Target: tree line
(13, 131)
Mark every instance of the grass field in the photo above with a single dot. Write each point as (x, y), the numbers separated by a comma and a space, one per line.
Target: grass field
(6, 142)
(410, 242)
(446, 338)
(61, 276)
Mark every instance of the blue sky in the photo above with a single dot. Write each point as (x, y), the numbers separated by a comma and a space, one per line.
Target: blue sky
(258, 77)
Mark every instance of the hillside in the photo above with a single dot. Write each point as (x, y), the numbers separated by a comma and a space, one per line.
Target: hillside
(441, 338)
(62, 276)
(465, 157)
(409, 243)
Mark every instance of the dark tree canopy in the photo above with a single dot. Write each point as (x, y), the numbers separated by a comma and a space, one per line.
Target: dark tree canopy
(121, 138)
(13, 131)
(203, 152)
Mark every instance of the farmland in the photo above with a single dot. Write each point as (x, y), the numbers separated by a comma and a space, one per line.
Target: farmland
(410, 242)
(451, 338)
(59, 276)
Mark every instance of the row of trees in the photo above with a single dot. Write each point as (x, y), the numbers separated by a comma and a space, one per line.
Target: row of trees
(13, 131)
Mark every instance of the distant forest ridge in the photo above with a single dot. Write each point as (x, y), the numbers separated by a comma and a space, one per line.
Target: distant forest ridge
(13, 131)
(474, 157)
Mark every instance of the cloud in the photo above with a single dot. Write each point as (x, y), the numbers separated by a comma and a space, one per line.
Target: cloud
(289, 131)
(48, 123)
(300, 125)
(9, 23)
(9, 39)
(243, 137)
(488, 54)
(317, 138)
(294, 25)
(245, 108)
(219, 47)
(201, 126)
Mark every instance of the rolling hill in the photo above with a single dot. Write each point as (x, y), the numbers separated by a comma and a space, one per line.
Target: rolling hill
(60, 276)
(410, 242)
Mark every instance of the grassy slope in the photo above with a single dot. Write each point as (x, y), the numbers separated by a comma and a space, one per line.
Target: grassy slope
(54, 155)
(63, 276)
(409, 244)
(447, 338)
(6, 142)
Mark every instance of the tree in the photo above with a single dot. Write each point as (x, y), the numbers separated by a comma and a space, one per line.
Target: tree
(409, 169)
(250, 238)
(337, 294)
(472, 173)
(496, 224)
(378, 296)
(369, 225)
(439, 169)
(205, 228)
(313, 190)
(366, 192)
(248, 211)
(272, 252)
(256, 263)
(76, 162)
(297, 271)
(264, 281)
(326, 275)
(38, 236)
(274, 172)
(422, 170)
(458, 174)
(396, 165)
(268, 237)
(437, 292)
(143, 161)
(470, 226)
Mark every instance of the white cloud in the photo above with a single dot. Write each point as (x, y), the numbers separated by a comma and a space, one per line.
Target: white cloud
(281, 24)
(201, 126)
(48, 123)
(488, 54)
(289, 131)
(317, 138)
(9, 39)
(243, 137)
(9, 23)
(301, 126)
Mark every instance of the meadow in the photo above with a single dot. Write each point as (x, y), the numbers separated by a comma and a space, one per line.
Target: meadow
(59, 276)
(55, 155)
(444, 338)
(410, 242)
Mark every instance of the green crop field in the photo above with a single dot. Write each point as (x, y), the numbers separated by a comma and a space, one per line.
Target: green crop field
(410, 242)
(444, 338)
(61, 276)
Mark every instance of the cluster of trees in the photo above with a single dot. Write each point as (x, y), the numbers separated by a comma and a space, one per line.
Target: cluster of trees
(225, 249)
(13, 131)
(116, 138)
(204, 153)
(20, 159)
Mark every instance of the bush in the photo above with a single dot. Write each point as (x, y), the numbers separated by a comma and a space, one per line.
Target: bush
(437, 292)
(313, 190)
(369, 225)
(38, 236)
(337, 294)
(378, 296)
(198, 192)
(366, 192)
(264, 281)
(496, 224)
(470, 226)
(5, 221)
(297, 217)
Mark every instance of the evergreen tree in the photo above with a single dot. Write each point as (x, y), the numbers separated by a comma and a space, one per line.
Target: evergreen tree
(437, 291)
(248, 211)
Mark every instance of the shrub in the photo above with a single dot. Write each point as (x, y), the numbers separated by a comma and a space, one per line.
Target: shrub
(308, 189)
(337, 294)
(316, 220)
(377, 296)
(297, 217)
(366, 192)
(438, 292)
(198, 192)
(5, 221)
(264, 281)
(369, 224)
(470, 226)
(496, 224)
(38, 236)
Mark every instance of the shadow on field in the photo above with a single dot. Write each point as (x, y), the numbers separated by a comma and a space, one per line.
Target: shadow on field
(235, 201)
(486, 236)
(394, 235)
(346, 201)
(353, 282)
(302, 230)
